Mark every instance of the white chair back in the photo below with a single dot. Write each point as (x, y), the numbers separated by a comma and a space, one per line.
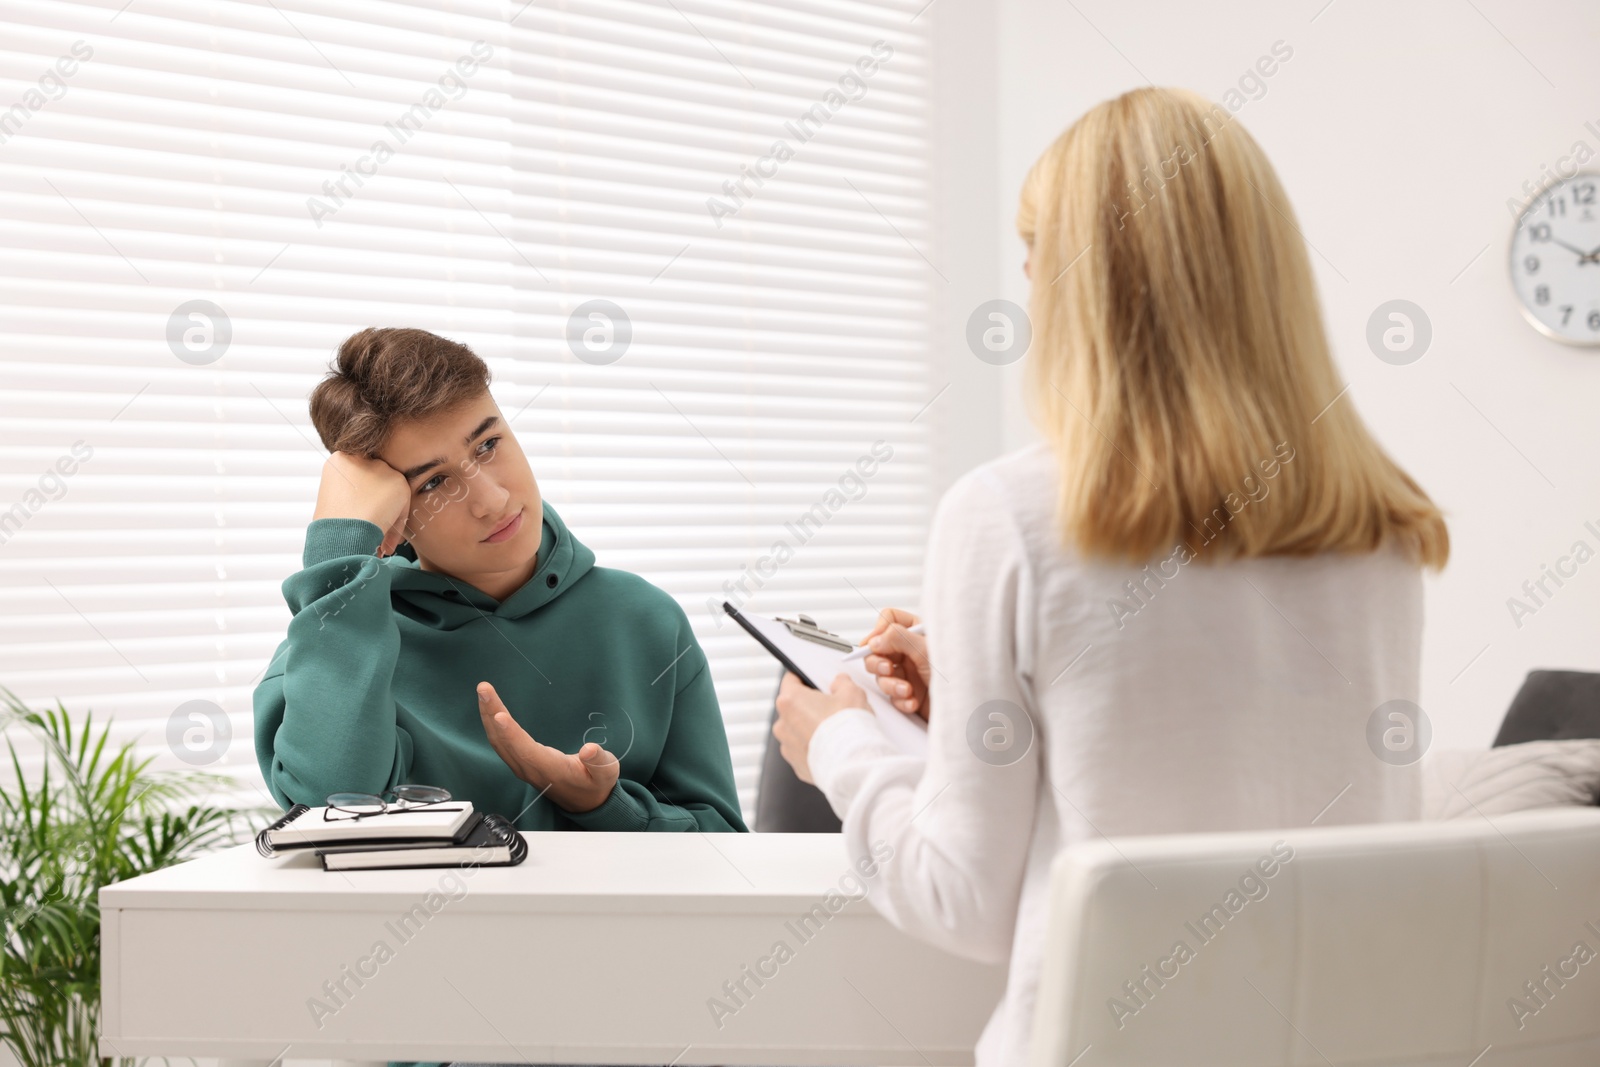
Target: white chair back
(1422, 944)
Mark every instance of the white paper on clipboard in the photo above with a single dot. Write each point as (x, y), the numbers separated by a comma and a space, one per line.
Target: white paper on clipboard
(909, 733)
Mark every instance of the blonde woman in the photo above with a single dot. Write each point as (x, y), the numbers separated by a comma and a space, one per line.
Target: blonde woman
(1179, 611)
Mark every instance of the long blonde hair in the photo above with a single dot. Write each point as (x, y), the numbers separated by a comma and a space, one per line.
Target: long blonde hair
(1178, 350)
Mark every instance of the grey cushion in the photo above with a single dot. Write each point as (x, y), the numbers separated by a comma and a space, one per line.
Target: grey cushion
(1551, 706)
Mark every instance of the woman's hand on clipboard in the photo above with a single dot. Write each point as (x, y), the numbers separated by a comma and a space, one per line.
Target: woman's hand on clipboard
(801, 710)
(899, 660)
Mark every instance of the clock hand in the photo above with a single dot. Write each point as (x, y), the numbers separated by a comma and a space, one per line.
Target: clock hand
(1583, 257)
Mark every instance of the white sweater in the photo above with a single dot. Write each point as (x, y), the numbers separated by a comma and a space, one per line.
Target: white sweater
(1227, 696)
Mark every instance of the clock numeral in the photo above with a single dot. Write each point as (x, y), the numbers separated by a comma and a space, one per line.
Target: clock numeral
(1539, 232)
(1583, 194)
(1557, 206)
(1594, 320)
(1541, 295)
(1566, 313)
(1531, 264)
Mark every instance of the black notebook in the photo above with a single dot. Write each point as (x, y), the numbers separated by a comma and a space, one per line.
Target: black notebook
(490, 841)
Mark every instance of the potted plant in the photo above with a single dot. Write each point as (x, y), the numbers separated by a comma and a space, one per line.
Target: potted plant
(90, 816)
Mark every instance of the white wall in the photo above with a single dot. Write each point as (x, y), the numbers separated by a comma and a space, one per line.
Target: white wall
(1400, 131)
(965, 184)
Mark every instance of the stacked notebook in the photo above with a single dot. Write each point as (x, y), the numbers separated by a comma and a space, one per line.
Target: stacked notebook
(452, 834)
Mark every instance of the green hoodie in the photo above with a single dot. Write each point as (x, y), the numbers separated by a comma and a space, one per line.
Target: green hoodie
(375, 685)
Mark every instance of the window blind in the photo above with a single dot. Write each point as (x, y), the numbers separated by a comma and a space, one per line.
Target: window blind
(688, 237)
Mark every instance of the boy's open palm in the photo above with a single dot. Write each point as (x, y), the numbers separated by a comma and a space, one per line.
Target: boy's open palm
(576, 783)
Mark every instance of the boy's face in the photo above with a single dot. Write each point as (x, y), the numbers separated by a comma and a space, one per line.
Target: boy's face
(468, 476)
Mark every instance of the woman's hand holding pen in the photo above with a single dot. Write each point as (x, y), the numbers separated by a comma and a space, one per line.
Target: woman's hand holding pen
(355, 487)
(899, 659)
(574, 783)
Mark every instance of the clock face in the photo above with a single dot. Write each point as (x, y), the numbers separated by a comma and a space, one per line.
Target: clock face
(1555, 260)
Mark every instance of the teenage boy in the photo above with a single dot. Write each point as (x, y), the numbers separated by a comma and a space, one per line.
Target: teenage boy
(450, 630)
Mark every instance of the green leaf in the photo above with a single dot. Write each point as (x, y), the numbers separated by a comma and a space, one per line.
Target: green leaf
(94, 815)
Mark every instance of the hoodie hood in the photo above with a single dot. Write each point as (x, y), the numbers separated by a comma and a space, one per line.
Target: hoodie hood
(445, 602)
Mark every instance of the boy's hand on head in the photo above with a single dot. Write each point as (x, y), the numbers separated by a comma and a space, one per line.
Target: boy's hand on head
(576, 783)
(355, 487)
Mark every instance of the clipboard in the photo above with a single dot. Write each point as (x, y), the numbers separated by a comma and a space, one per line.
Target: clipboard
(816, 655)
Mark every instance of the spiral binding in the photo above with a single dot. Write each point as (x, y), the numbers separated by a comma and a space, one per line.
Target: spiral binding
(508, 833)
(263, 844)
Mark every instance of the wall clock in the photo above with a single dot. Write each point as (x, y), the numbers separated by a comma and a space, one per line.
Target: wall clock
(1555, 260)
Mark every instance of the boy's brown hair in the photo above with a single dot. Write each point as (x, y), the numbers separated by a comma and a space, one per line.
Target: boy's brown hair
(383, 375)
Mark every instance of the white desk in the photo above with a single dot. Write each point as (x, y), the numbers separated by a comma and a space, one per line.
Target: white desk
(598, 948)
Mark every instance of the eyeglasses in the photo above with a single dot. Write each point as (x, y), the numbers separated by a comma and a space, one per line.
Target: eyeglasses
(406, 798)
